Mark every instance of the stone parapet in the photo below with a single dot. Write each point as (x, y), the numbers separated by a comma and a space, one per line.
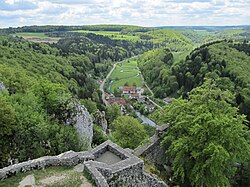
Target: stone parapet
(69, 158)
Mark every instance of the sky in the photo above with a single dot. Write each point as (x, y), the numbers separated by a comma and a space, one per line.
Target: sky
(15, 13)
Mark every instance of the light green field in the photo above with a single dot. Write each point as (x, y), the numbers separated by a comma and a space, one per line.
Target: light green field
(130, 81)
(112, 34)
(126, 72)
(32, 34)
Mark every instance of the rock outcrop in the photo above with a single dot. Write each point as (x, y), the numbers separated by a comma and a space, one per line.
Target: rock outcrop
(2, 87)
(100, 119)
(83, 123)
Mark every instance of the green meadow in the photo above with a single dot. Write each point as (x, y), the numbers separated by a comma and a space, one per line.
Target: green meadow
(116, 35)
(127, 72)
(32, 34)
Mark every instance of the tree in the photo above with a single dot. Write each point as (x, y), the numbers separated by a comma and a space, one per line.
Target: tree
(7, 121)
(207, 137)
(128, 132)
(113, 112)
(117, 92)
(126, 84)
(90, 105)
(98, 136)
(55, 99)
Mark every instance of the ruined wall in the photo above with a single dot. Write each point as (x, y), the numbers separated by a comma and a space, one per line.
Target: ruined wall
(153, 151)
(129, 172)
(134, 176)
(69, 158)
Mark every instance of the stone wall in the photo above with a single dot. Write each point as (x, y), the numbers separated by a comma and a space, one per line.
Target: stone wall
(99, 179)
(127, 172)
(153, 151)
(69, 158)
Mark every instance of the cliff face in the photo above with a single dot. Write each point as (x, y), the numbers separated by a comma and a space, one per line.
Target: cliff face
(81, 120)
(84, 125)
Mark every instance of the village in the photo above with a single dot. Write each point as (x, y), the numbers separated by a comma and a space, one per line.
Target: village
(125, 86)
(131, 96)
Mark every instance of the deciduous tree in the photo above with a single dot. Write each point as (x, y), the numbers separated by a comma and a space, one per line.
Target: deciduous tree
(207, 138)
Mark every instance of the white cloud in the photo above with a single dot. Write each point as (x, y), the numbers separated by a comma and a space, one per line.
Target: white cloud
(139, 12)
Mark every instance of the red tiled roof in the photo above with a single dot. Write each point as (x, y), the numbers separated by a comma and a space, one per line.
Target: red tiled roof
(118, 101)
(129, 88)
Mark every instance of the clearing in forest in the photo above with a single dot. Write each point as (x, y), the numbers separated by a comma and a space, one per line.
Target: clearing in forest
(37, 37)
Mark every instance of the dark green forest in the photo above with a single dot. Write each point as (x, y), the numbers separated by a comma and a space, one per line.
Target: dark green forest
(40, 88)
(211, 109)
(225, 61)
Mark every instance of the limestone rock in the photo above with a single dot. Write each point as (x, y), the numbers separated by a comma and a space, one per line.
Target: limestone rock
(100, 119)
(2, 87)
(82, 122)
(27, 181)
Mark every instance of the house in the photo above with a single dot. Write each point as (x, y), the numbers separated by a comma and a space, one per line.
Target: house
(129, 90)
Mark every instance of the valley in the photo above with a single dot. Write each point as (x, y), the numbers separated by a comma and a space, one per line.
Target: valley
(75, 87)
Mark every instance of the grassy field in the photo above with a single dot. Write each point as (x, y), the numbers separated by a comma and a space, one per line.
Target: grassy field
(37, 37)
(32, 34)
(47, 177)
(112, 34)
(126, 72)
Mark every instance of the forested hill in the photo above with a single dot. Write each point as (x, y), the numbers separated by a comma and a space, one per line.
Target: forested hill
(33, 61)
(227, 62)
(155, 67)
(41, 87)
(224, 61)
(101, 49)
(43, 81)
